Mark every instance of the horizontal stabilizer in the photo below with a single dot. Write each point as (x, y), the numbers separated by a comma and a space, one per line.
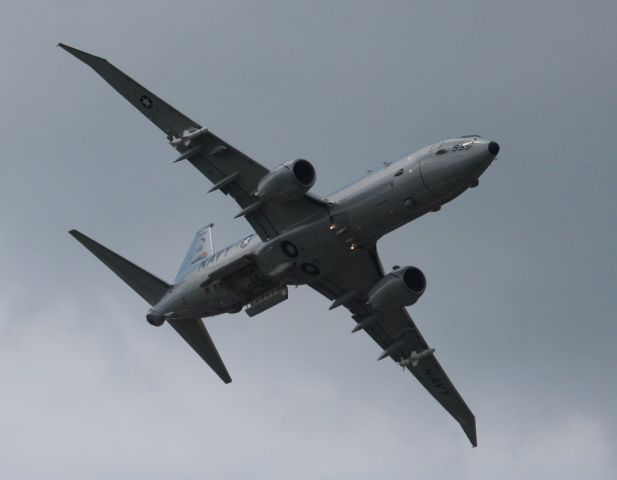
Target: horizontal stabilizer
(149, 287)
(194, 332)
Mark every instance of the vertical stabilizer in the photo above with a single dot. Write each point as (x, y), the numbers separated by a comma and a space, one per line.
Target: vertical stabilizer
(200, 249)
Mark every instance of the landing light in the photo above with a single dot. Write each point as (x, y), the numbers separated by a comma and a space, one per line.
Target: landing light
(332, 226)
(353, 246)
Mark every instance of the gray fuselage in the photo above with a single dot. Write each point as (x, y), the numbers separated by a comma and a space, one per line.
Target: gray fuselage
(359, 214)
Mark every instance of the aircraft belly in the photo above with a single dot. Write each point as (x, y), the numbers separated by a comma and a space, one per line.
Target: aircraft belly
(299, 256)
(248, 283)
(368, 210)
(209, 300)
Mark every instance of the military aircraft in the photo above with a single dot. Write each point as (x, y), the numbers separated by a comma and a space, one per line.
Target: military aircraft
(326, 243)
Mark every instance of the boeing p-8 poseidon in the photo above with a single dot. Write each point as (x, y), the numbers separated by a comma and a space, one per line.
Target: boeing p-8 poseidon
(326, 243)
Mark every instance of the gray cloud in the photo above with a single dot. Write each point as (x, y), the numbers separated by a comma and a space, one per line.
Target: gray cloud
(521, 270)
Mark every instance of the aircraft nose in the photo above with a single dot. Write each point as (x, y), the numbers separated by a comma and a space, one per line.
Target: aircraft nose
(493, 148)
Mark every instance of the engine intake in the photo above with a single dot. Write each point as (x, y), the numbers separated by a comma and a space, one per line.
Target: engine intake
(289, 181)
(400, 288)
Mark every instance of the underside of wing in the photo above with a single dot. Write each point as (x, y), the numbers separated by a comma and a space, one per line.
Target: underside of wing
(235, 174)
(394, 331)
(230, 170)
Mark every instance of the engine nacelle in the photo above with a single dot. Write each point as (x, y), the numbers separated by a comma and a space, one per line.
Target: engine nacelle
(400, 288)
(288, 181)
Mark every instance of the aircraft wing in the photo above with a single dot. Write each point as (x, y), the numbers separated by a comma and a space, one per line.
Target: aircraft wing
(355, 278)
(230, 170)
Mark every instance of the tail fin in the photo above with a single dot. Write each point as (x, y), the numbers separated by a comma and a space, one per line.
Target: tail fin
(149, 287)
(200, 249)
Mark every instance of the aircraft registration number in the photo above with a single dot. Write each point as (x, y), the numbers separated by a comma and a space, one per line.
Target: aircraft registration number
(461, 146)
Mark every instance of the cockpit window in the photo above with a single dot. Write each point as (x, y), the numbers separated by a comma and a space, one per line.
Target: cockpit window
(469, 136)
(441, 151)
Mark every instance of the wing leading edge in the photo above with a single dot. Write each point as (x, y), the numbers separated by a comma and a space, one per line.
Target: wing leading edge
(394, 331)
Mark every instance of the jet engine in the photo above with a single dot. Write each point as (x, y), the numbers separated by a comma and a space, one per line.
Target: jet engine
(288, 181)
(400, 288)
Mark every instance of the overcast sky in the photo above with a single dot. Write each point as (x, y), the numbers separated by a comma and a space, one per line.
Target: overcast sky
(522, 271)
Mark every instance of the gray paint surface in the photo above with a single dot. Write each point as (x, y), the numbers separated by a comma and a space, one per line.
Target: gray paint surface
(328, 243)
(521, 271)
